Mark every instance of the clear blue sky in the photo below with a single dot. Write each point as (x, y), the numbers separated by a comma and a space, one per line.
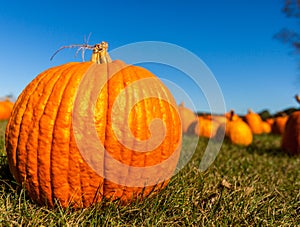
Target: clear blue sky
(234, 38)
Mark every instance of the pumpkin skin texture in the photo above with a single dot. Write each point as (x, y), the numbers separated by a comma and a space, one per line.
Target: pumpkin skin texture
(6, 107)
(254, 121)
(44, 146)
(291, 135)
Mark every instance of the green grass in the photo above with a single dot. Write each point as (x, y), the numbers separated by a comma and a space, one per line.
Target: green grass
(253, 186)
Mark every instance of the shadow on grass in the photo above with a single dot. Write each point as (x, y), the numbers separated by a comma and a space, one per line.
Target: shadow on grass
(267, 145)
(6, 178)
(261, 150)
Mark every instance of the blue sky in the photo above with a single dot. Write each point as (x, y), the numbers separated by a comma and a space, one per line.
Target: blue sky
(233, 38)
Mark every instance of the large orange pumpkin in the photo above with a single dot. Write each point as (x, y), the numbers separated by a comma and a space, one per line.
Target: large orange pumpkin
(80, 132)
(291, 134)
(6, 107)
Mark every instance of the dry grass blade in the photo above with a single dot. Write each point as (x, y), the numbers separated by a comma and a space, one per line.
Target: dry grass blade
(81, 47)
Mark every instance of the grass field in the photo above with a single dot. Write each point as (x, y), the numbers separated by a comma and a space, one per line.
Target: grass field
(253, 186)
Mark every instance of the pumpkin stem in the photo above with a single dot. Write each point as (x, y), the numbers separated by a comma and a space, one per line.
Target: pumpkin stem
(100, 54)
(231, 115)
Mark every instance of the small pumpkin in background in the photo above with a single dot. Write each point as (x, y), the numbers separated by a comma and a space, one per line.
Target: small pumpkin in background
(278, 125)
(206, 127)
(291, 135)
(74, 139)
(232, 116)
(254, 121)
(266, 127)
(236, 130)
(188, 118)
(6, 107)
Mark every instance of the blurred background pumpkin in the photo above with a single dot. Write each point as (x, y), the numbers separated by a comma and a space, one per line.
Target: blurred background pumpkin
(6, 106)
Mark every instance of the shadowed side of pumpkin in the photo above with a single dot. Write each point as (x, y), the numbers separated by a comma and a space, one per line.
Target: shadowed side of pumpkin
(291, 136)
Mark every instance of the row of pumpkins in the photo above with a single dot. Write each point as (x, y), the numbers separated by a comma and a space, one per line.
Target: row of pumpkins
(240, 130)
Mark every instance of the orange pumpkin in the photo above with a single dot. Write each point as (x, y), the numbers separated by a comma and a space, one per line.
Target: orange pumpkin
(278, 125)
(232, 116)
(206, 127)
(188, 118)
(291, 134)
(84, 131)
(6, 107)
(254, 121)
(236, 130)
(266, 127)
